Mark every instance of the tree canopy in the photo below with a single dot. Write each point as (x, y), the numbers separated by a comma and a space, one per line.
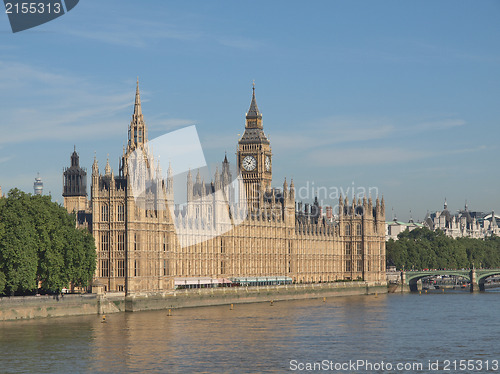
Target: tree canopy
(40, 245)
(425, 249)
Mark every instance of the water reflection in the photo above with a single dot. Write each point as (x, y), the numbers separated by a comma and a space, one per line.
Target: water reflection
(256, 338)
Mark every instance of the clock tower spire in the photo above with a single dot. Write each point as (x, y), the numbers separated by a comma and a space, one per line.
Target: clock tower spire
(254, 157)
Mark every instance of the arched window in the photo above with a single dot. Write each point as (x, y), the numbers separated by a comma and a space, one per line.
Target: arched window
(359, 231)
(121, 241)
(348, 229)
(121, 213)
(348, 249)
(104, 213)
(105, 241)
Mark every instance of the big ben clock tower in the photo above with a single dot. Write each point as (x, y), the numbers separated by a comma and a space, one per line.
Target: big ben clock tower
(254, 157)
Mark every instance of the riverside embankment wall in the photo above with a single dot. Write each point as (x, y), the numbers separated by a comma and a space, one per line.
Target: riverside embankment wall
(12, 308)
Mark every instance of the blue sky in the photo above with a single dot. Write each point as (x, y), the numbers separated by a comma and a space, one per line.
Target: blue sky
(401, 96)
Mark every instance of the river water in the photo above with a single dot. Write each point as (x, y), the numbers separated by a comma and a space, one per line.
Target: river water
(431, 329)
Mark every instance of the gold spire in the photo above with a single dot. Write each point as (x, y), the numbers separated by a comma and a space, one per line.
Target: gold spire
(137, 107)
(107, 170)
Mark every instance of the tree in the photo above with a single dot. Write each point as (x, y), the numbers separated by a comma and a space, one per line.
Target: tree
(40, 245)
(425, 249)
(80, 257)
(18, 254)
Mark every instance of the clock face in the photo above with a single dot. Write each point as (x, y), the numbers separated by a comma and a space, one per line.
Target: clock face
(249, 163)
(268, 163)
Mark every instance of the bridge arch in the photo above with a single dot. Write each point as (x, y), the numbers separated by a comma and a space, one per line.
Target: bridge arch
(414, 276)
(482, 275)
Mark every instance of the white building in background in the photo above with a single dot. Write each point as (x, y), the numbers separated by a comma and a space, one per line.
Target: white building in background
(395, 227)
(464, 223)
(38, 185)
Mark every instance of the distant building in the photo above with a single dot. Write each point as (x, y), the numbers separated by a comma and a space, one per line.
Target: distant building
(464, 223)
(395, 227)
(38, 185)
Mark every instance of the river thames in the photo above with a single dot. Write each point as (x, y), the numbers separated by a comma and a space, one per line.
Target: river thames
(434, 330)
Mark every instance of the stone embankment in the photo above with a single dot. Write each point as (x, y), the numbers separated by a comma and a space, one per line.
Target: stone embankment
(28, 307)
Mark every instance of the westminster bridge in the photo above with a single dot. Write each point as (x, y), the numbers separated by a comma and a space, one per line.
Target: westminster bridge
(476, 277)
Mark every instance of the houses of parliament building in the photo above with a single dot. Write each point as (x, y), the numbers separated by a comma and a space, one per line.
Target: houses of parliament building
(227, 230)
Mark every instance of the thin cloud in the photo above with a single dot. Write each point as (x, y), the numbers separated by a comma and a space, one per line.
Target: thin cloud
(133, 32)
(171, 123)
(240, 42)
(333, 131)
(379, 155)
(342, 130)
(67, 106)
(5, 159)
(443, 124)
(365, 156)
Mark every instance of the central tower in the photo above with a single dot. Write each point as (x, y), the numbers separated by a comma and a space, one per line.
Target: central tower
(137, 133)
(254, 157)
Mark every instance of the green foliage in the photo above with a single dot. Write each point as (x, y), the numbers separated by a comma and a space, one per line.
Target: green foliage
(425, 249)
(39, 244)
(18, 243)
(3, 281)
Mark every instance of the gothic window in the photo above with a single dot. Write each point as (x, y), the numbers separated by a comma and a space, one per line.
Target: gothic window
(348, 249)
(164, 243)
(358, 229)
(121, 268)
(121, 241)
(360, 265)
(140, 135)
(136, 242)
(348, 266)
(121, 213)
(105, 241)
(165, 272)
(348, 229)
(104, 268)
(135, 136)
(136, 268)
(104, 213)
(359, 248)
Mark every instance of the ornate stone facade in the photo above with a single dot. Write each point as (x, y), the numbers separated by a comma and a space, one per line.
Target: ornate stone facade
(464, 223)
(141, 247)
(75, 186)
